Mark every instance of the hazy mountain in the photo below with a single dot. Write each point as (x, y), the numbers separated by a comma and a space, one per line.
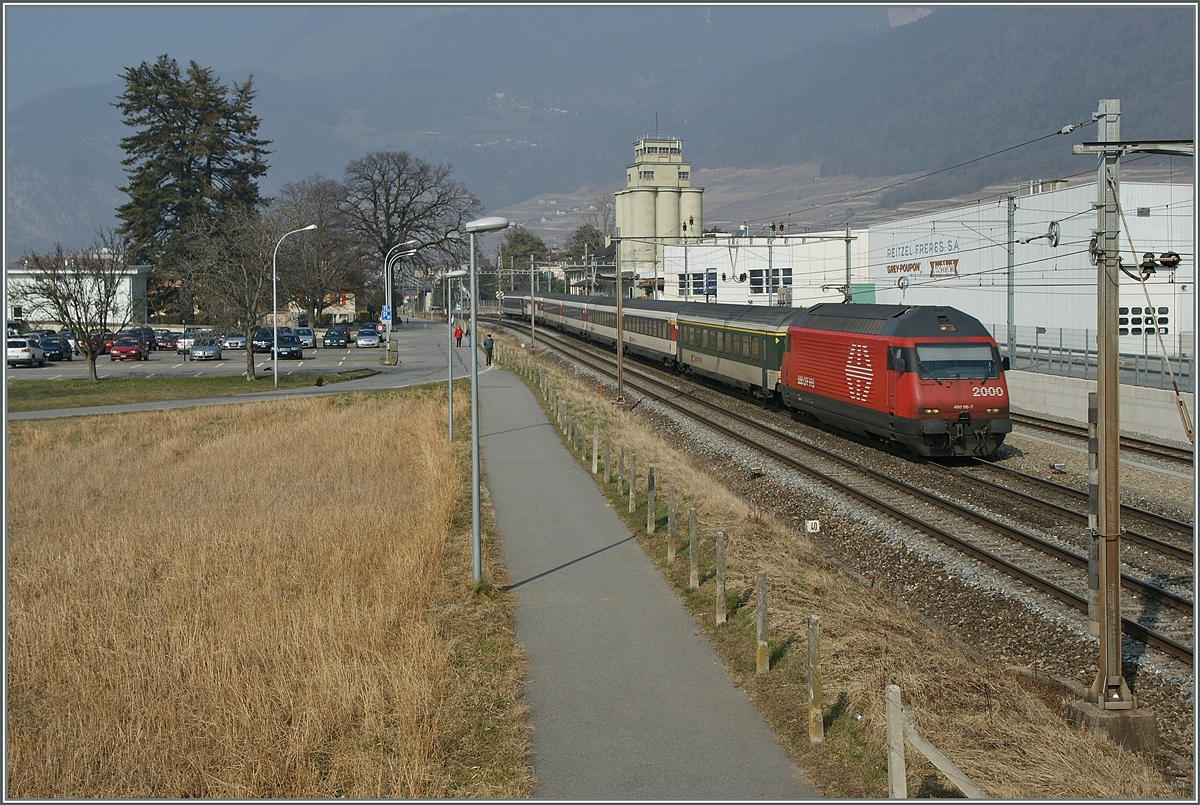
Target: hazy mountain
(534, 100)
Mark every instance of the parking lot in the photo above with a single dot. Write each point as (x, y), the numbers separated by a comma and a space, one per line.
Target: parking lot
(232, 362)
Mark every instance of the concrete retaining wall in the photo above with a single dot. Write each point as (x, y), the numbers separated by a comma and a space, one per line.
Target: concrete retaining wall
(1145, 412)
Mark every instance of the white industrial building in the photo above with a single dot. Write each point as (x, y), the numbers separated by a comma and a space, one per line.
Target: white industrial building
(792, 270)
(960, 258)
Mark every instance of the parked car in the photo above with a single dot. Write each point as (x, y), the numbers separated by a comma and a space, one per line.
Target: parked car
(56, 348)
(205, 348)
(367, 337)
(25, 350)
(183, 344)
(307, 336)
(263, 338)
(334, 337)
(72, 341)
(232, 340)
(166, 339)
(289, 347)
(129, 348)
(145, 333)
(101, 342)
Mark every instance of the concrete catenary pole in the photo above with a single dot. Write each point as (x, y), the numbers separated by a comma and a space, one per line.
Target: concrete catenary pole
(1110, 690)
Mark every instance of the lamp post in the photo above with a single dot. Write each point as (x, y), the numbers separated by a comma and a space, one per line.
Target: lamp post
(387, 291)
(275, 299)
(491, 224)
(449, 275)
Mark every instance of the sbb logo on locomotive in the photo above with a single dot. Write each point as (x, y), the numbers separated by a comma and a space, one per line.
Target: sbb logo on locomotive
(859, 373)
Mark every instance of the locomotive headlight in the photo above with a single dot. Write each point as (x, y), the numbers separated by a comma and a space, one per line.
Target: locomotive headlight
(993, 410)
(931, 410)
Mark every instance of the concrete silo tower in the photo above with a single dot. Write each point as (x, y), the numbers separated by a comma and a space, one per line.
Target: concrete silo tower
(657, 200)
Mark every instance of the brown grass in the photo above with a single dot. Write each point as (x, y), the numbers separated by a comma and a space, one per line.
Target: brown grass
(1004, 737)
(265, 600)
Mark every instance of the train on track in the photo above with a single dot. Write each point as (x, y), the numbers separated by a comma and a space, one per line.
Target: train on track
(929, 379)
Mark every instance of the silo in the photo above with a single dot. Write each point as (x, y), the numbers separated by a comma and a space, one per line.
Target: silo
(642, 212)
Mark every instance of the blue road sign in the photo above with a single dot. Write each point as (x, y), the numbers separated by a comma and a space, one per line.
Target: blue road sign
(386, 315)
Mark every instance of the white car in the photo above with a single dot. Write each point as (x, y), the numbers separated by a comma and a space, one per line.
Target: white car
(26, 351)
(367, 337)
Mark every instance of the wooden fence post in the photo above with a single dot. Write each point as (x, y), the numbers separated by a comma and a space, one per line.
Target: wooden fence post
(620, 468)
(670, 523)
(693, 554)
(816, 715)
(595, 449)
(897, 783)
(632, 482)
(607, 457)
(720, 577)
(762, 653)
(650, 512)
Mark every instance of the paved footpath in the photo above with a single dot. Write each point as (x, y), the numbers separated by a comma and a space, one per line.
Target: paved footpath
(628, 700)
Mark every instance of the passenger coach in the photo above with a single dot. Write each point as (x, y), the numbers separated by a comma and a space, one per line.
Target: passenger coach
(742, 345)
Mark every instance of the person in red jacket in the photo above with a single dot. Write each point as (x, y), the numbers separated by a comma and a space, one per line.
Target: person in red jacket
(458, 336)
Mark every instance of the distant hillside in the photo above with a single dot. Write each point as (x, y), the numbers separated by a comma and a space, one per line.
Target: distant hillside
(960, 84)
(530, 101)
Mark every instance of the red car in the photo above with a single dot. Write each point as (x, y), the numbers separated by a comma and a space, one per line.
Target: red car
(124, 349)
(102, 343)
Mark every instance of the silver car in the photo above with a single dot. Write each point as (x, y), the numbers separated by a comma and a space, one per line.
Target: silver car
(367, 337)
(233, 341)
(307, 336)
(205, 349)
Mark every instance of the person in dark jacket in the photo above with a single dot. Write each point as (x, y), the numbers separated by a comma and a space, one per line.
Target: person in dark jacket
(488, 344)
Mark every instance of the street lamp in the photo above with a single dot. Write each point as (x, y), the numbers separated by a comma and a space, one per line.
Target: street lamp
(491, 224)
(387, 291)
(449, 275)
(275, 299)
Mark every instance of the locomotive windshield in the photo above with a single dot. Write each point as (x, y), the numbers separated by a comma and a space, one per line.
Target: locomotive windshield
(956, 361)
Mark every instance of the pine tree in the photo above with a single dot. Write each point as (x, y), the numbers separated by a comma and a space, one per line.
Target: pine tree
(195, 156)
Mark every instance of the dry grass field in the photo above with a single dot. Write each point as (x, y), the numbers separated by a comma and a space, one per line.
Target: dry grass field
(1005, 736)
(264, 600)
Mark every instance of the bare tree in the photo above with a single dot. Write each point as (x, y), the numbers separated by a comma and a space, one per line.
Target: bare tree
(230, 266)
(326, 261)
(601, 215)
(85, 290)
(392, 197)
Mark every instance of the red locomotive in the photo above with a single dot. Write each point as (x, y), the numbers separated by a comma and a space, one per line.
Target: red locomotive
(928, 378)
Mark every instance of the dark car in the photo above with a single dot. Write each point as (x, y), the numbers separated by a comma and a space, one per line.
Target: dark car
(56, 349)
(262, 340)
(166, 339)
(289, 347)
(335, 337)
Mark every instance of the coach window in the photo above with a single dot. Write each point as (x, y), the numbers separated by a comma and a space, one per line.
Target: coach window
(755, 348)
(1123, 331)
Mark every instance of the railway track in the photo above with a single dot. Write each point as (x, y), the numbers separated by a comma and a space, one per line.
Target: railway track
(1141, 447)
(1057, 573)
